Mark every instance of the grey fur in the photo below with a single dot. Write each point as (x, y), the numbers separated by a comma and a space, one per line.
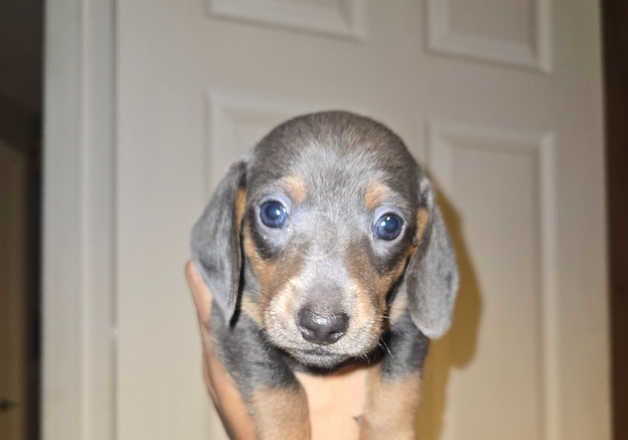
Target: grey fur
(337, 154)
(432, 281)
(215, 242)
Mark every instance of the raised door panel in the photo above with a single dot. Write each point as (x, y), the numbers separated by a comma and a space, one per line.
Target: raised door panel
(335, 17)
(515, 32)
(497, 190)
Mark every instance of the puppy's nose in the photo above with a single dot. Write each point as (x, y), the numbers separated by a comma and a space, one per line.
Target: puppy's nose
(322, 328)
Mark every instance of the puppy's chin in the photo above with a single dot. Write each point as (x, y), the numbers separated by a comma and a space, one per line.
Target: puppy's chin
(318, 358)
(322, 356)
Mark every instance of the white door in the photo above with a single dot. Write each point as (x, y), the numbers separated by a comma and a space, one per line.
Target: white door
(501, 99)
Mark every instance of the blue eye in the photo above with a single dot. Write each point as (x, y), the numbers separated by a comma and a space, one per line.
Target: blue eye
(273, 214)
(388, 226)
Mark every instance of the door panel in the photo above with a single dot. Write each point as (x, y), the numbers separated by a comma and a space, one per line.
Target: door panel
(513, 32)
(500, 185)
(510, 133)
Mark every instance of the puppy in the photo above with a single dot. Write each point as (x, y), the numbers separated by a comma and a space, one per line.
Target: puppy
(324, 249)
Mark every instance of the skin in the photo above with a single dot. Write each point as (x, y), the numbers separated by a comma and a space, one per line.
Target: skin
(333, 401)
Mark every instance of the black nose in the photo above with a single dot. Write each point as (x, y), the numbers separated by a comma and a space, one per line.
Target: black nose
(322, 328)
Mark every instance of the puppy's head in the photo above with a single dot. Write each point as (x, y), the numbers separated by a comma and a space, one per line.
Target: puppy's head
(328, 220)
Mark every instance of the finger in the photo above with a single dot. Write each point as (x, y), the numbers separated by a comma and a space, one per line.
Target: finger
(200, 293)
(208, 379)
(220, 385)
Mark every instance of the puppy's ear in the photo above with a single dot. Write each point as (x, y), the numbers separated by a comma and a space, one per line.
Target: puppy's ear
(431, 278)
(215, 241)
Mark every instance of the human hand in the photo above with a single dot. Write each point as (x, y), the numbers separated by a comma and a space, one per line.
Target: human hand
(334, 401)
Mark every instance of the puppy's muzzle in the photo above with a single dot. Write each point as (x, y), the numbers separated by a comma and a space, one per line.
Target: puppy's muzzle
(321, 327)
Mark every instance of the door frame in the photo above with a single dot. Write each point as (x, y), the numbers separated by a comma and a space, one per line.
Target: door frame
(615, 43)
(78, 283)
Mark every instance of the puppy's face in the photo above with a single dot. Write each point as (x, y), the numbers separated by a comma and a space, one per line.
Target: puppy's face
(330, 221)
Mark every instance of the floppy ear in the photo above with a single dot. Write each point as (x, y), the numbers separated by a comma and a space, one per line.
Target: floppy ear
(215, 240)
(431, 278)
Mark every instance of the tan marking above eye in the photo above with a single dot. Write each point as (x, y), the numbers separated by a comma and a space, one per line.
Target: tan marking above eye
(375, 194)
(295, 187)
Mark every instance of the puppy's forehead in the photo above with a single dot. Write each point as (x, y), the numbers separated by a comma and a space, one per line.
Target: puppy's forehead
(333, 154)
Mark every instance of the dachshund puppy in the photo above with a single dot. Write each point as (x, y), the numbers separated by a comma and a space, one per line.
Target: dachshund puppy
(326, 249)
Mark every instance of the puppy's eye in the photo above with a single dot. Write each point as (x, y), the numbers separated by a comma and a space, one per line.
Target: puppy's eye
(273, 214)
(388, 226)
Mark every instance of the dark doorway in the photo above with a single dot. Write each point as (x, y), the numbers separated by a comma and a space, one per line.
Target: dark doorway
(21, 60)
(615, 25)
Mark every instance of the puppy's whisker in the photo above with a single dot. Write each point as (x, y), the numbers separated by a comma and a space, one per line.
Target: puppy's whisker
(383, 344)
(365, 358)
